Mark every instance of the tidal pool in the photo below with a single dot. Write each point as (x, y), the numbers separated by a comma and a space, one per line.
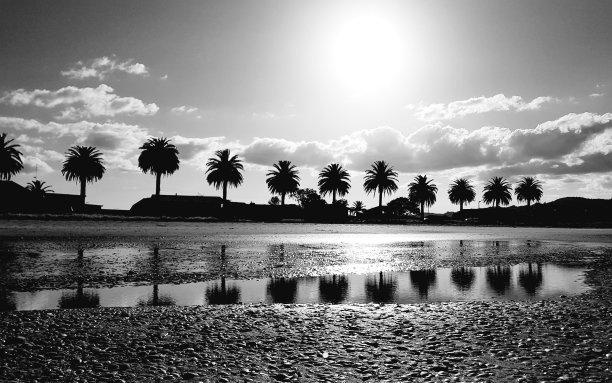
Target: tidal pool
(525, 281)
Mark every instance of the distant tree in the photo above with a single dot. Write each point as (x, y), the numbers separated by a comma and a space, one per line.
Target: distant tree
(283, 179)
(528, 189)
(402, 206)
(158, 157)
(274, 201)
(382, 178)
(83, 164)
(38, 188)
(497, 191)
(308, 198)
(223, 171)
(422, 191)
(334, 179)
(10, 158)
(341, 202)
(358, 207)
(461, 191)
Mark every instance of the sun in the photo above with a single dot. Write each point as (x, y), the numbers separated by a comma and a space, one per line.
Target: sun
(367, 53)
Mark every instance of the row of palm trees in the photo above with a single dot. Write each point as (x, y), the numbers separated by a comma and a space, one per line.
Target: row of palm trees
(159, 157)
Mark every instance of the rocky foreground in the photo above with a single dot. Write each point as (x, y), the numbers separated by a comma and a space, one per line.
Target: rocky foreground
(569, 339)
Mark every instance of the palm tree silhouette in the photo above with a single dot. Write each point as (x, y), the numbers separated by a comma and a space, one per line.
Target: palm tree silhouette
(224, 170)
(499, 278)
(423, 192)
(83, 164)
(381, 289)
(382, 178)
(423, 280)
(334, 179)
(357, 207)
(497, 191)
(158, 157)
(10, 158)
(283, 179)
(463, 277)
(333, 289)
(528, 189)
(38, 188)
(461, 191)
(282, 290)
(531, 279)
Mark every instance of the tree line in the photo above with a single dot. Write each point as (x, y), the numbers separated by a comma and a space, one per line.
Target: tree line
(159, 157)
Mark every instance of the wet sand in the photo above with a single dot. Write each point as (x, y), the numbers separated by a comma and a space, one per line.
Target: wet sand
(563, 339)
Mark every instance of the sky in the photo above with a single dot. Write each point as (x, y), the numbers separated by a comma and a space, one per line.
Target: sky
(443, 88)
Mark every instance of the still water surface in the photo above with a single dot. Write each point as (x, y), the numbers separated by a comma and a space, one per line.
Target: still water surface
(526, 281)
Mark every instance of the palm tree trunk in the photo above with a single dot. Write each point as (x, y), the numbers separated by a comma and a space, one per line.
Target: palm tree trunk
(157, 184)
(379, 197)
(283, 199)
(497, 204)
(224, 193)
(334, 197)
(528, 203)
(83, 186)
(422, 211)
(460, 206)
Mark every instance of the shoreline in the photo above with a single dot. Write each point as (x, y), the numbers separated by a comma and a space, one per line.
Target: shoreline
(566, 339)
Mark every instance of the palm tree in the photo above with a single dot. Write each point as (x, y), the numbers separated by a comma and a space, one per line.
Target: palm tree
(38, 188)
(334, 179)
(283, 179)
(497, 191)
(83, 164)
(423, 192)
(158, 157)
(461, 191)
(381, 178)
(357, 207)
(528, 189)
(224, 170)
(10, 158)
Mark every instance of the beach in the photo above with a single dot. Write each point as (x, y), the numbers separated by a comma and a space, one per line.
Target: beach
(565, 338)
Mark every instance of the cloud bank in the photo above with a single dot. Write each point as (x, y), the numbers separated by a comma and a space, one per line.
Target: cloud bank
(101, 67)
(75, 103)
(476, 105)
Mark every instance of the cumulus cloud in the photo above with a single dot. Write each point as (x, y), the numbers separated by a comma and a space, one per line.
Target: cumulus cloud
(477, 105)
(101, 67)
(266, 151)
(183, 109)
(75, 103)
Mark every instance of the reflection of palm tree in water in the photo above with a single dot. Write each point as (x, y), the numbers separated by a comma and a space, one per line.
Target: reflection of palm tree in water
(333, 289)
(277, 253)
(531, 279)
(154, 267)
(463, 277)
(282, 290)
(80, 299)
(221, 294)
(7, 303)
(422, 280)
(381, 289)
(499, 278)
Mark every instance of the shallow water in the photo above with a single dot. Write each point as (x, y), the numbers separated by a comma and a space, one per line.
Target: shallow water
(527, 281)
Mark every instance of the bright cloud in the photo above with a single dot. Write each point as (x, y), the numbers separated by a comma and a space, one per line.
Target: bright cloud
(183, 109)
(75, 103)
(477, 105)
(101, 67)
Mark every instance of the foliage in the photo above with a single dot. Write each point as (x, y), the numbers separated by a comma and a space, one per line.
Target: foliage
(224, 170)
(283, 179)
(422, 191)
(83, 163)
(275, 201)
(382, 178)
(358, 207)
(497, 192)
(38, 188)
(461, 191)
(341, 202)
(158, 156)
(308, 198)
(528, 189)
(334, 179)
(10, 158)
(402, 206)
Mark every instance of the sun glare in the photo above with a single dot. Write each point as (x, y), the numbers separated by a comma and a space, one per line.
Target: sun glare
(367, 53)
